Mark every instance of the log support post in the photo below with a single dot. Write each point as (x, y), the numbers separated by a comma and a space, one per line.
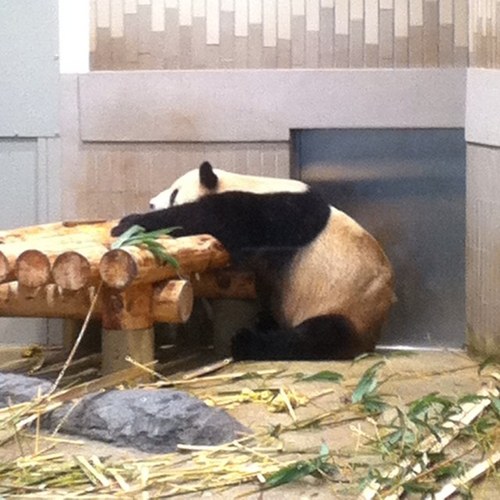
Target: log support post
(118, 344)
(127, 322)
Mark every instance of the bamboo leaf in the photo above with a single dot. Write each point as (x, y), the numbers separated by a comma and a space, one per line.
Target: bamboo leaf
(419, 487)
(373, 404)
(367, 384)
(324, 452)
(137, 236)
(325, 375)
(425, 404)
(302, 468)
(290, 473)
(366, 355)
(163, 232)
(495, 404)
(127, 235)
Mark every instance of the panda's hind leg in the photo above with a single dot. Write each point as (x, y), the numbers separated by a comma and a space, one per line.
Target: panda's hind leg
(323, 337)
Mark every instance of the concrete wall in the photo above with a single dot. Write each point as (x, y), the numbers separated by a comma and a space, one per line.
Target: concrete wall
(29, 128)
(483, 211)
(263, 105)
(121, 144)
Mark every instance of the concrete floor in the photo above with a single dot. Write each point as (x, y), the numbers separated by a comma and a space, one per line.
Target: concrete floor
(407, 377)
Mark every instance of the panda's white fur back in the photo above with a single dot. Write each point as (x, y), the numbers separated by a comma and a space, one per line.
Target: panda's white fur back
(189, 189)
(343, 271)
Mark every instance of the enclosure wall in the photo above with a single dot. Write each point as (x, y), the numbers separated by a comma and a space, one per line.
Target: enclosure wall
(29, 134)
(121, 146)
(184, 34)
(483, 212)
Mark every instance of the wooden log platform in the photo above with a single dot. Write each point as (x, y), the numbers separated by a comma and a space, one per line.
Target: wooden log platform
(54, 270)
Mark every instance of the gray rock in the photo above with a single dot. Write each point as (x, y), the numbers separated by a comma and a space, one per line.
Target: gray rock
(149, 420)
(19, 388)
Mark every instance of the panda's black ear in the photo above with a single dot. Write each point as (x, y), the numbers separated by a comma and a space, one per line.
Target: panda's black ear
(208, 178)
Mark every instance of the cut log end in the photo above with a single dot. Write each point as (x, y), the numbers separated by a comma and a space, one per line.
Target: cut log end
(173, 301)
(118, 269)
(71, 271)
(4, 268)
(33, 269)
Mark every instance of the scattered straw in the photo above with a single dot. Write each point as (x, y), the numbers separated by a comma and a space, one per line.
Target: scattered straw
(256, 459)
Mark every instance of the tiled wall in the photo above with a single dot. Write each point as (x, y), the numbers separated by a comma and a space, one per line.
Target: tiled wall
(485, 33)
(117, 179)
(172, 34)
(110, 179)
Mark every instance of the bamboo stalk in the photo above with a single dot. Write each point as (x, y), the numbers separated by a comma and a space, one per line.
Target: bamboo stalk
(434, 444)
(470, 475)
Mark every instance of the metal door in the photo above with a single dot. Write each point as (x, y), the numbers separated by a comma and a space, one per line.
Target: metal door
(407, 187)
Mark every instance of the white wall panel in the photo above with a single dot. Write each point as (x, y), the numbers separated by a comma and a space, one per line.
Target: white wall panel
(483, 106)
(29, 68)
(208, 105)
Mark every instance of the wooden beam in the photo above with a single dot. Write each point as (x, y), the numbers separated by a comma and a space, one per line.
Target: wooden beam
(224, 284)
(172, 302)
(122, 267)
(44, 302)
(57, 229)
(51, 241)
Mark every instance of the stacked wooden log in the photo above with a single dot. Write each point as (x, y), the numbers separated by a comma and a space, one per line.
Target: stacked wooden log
(51, 270)
(54, 270)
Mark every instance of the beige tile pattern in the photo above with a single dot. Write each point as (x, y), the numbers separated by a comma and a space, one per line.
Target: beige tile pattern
(484, 33)
(201, 34)
(121, 178)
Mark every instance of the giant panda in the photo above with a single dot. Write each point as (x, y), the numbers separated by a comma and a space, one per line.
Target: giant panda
(325, 284)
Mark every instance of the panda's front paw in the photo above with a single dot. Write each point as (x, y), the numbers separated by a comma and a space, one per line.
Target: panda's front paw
(126, 223)
(247, 344)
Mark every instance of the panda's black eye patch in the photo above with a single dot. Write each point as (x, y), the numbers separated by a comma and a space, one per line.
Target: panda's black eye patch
(173, 196)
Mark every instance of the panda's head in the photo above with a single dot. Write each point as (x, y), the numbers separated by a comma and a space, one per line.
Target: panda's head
(190, 187)
(207, 180)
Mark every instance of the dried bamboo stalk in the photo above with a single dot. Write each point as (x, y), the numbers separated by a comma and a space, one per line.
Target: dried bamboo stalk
(470, 475)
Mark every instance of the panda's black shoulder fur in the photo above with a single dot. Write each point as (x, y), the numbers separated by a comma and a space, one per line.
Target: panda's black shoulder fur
(243, 221)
